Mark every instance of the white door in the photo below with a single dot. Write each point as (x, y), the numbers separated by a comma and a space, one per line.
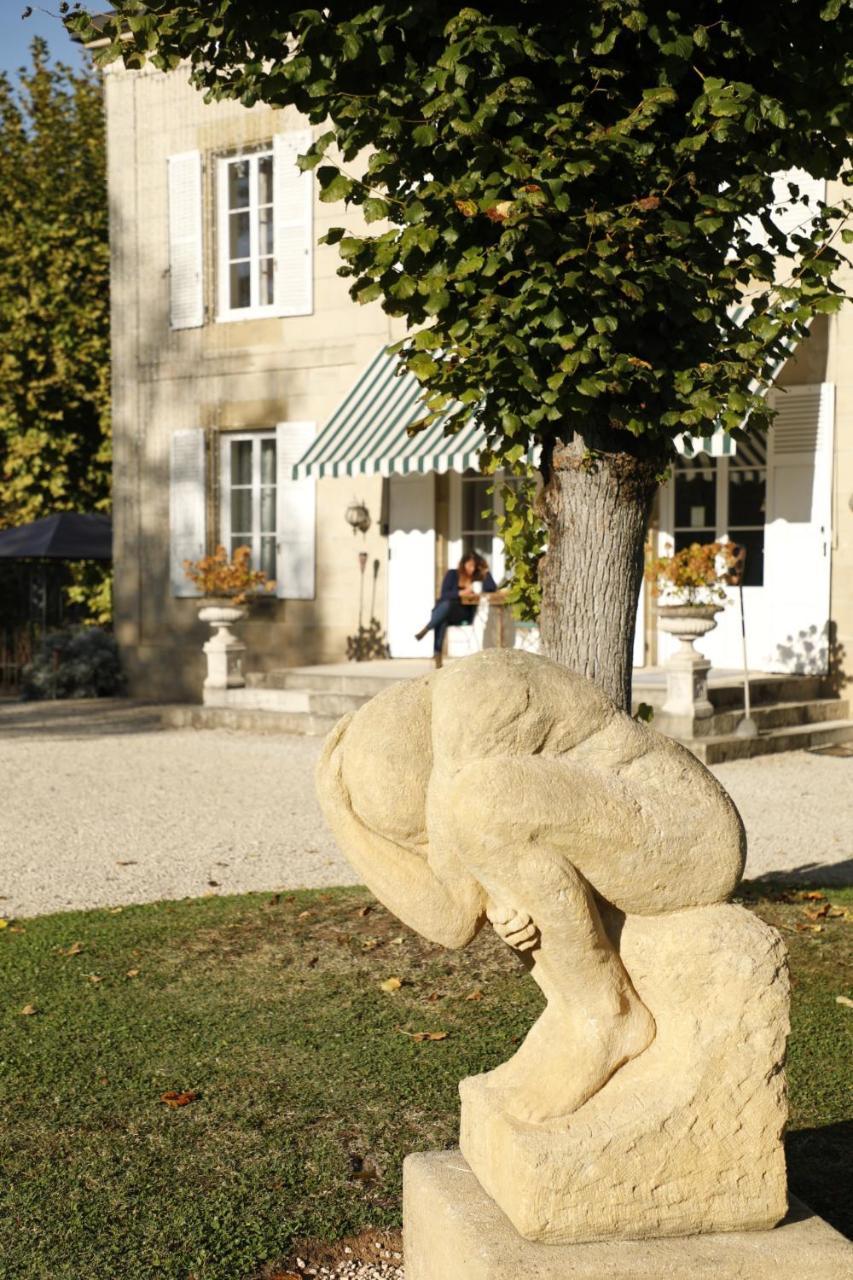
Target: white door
(799, 530)
(411, 563)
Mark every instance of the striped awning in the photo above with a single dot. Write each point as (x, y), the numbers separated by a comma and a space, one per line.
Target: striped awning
(368, 432)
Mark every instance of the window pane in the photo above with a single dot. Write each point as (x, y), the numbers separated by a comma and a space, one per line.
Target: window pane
(241, 462)
(753, 540)
(241, 289)
(746, 496)
(268, 462)
(696, 498)
(264, 231)
(686, 537)
(241, 511)
(238, 235)
(265, 180)
(268, 510)
(475, 500)
(238, 184)
(265, 282)
(268, 557)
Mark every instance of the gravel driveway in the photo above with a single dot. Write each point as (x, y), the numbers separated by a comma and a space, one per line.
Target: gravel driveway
(99, 806)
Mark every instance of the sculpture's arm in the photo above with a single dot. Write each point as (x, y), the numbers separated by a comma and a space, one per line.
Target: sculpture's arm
(448, 910)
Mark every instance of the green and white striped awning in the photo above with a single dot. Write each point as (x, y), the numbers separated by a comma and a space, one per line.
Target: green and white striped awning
(367, 433)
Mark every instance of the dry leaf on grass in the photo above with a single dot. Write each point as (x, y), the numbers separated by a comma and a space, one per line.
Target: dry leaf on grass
(816, 913)
(420, 1036)
(73, 950)
(133, 973)
(94, 977)
(474, 995)
(370, 944)
(844, 1000)
(303, 915)
(391, 984)
(126, 862)
(175, 1099)
(116, 911)
(809, 928)
(28, 1010)
(19, 928)
(365, 910)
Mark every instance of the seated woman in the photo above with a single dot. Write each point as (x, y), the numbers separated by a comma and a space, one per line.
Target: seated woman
(458, 599)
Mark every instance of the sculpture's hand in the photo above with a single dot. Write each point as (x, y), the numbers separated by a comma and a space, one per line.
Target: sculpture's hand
(515, 927)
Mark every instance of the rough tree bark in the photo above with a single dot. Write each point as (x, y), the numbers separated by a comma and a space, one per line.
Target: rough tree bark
(596, 500)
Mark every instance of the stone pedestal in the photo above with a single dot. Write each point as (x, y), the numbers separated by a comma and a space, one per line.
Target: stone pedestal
(453, 1231)
(685, 1138)
(224, 652)
(687, 671)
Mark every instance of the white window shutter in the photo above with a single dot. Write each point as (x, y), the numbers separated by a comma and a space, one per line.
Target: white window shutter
(293, 200)
(187, 508)
(186, 299)
(296, 515)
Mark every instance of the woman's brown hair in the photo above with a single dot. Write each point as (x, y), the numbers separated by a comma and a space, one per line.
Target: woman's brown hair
(481, 565)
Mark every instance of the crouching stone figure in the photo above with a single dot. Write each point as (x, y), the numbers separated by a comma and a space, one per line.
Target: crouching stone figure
(648, 1098)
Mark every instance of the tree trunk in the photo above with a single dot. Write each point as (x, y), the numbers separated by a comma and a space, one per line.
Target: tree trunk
(596, 501)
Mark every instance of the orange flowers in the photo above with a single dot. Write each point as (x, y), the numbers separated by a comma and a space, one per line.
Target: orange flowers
(695, 574)
(217, 575)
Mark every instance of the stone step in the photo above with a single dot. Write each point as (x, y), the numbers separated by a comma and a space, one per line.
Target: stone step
(800, 737)
(296, 701)
(356, 685)
(246, 719)
(726, 692)
(778, 715)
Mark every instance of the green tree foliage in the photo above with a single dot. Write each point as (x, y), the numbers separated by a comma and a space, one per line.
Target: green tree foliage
(570, 202)
(54, 295)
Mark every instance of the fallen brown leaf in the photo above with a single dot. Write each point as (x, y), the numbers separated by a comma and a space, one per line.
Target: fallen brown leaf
(126, 862)
(844, 1000)
(133, 973)
(28, 1010)
(95, 977)
(816, 913)
(365, 910)
(303, 915)
(19, 928)
(836, 912)
(73, 950)
(391, 984)
(175, 1099)
(116, 911)
(420, 1036)
(214, 884)
(370, 944)
(474, 995)
(812, 895)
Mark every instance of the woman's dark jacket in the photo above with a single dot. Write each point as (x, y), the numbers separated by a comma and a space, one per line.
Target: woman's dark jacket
(460, 612)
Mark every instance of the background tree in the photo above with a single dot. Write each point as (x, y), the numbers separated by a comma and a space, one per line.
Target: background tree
(54, 300)
(571, 202)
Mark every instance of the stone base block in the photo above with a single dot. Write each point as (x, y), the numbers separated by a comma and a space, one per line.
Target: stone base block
(685, 1138)
(453, 1231)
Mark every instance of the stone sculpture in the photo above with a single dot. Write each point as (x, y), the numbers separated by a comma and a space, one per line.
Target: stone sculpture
(648, 1099)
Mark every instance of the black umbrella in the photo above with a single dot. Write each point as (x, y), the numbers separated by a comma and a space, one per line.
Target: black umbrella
(66, 536)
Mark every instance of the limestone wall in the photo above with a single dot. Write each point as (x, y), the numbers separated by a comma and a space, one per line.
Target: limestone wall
(248, 374)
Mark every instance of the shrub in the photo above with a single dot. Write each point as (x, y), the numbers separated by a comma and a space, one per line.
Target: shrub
(78, 662)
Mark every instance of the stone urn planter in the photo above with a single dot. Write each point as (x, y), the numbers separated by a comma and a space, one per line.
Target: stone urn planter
(224, 651)
(687, 670)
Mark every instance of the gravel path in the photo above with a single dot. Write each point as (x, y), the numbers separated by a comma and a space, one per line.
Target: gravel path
(99, 806)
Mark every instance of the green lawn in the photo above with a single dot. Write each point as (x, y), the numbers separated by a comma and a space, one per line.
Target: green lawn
(310, 1092)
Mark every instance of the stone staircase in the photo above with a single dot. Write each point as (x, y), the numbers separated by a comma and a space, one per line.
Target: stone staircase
(308, 700)
(793, 713)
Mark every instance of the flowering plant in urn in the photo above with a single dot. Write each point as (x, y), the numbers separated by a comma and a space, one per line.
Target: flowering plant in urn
(219, 577)
(695, 575)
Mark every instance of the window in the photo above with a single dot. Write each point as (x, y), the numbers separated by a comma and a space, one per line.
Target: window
(715, 498)
(246, 235)
(249, 497)
(477, 530)
(747, 505)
